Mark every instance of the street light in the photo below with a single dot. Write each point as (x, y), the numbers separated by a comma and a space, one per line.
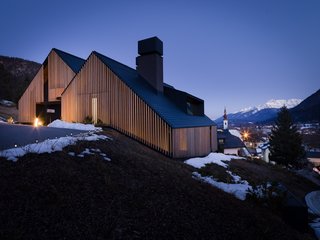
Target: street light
(245, 135)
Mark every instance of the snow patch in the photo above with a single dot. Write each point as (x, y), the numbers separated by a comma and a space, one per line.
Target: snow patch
(313, 202)
(71, 154)
(315, 224)
(217, 158)
(79, 126)
(239, 190)
(49, 145)
(7, 103)
(91, 151)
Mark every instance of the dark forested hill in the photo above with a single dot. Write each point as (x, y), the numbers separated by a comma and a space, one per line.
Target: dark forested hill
(15, 76)
(308, 110)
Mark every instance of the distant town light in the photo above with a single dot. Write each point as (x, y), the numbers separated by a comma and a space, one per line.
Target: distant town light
(245, 135)
(37, 122)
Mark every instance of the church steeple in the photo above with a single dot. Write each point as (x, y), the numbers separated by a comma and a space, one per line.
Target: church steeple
(225, 119)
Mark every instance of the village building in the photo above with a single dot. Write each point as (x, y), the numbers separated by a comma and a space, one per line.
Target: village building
(314, 158)
(229, 143)
(135, 102)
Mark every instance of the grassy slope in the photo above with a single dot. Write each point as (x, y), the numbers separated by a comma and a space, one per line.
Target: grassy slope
(140, 194)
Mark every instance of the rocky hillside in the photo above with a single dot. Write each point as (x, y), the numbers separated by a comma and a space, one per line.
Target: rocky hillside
(15, 76)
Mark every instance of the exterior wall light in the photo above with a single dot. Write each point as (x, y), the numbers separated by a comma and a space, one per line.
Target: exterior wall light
(37, 122)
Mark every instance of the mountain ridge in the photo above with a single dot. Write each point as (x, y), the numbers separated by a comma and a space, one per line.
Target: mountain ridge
(273, 103)
(259, 113)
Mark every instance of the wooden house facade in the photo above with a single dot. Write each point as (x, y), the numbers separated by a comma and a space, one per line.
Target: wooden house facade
(42, 98)
(136, 102)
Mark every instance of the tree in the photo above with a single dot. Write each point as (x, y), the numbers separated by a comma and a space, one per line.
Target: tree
(285, 141)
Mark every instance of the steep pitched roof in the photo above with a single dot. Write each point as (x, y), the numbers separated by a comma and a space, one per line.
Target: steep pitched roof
(74, 62)
(161, 104)
(230, 141)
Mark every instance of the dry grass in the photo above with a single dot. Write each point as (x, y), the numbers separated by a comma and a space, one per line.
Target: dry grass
(258, 172)
(140, 194)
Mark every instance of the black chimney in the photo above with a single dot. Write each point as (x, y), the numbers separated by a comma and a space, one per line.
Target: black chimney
(150, 62)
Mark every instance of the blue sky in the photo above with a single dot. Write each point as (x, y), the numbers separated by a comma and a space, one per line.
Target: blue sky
(236, 53)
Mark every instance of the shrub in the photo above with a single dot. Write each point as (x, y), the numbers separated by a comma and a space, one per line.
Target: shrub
(268, 194)
(87, 120)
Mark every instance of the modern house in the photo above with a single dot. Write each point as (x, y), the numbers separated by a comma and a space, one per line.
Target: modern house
(43, 95)
(314, 158)
(137, 102)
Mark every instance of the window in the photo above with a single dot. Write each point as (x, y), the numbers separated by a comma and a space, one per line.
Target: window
(94, 110)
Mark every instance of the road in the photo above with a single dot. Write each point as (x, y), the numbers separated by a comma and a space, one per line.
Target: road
(16, 135)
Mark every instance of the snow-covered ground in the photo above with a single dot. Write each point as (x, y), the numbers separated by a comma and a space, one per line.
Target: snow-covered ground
(53, 145)
(313, 203)
(217, 158)
(49, 146)
(91, 151)
(79, 126)
(239, 188)
(7, 103)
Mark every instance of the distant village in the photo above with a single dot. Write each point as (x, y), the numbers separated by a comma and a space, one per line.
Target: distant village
(252, 141)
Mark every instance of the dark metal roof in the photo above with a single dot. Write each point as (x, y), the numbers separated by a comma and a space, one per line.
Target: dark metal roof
(74, 62)
(313, 154)
(161, 104)
(230, 141)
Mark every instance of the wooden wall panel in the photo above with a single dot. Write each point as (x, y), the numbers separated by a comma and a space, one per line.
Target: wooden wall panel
(118, 106)
(188, 142)
(32, 95)
(59, 74)
(214, 139)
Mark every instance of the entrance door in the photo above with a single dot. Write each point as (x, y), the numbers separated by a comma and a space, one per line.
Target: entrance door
(94, 110)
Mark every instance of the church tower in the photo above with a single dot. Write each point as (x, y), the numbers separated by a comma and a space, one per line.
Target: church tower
(225, 120)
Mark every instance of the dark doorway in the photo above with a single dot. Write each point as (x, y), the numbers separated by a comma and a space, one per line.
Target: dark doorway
(49, 111)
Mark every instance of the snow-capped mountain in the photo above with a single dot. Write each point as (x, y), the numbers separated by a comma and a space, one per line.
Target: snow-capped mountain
(261, 112)
(273, 104)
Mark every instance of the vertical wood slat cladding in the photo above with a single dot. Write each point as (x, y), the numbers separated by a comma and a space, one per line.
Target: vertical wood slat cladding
(214, 139)
(120, 108)
(191, 142)
(59, 75)
(118, 105)
(32, 95)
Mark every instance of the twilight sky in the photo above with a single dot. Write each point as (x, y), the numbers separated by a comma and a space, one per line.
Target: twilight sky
(236, 53)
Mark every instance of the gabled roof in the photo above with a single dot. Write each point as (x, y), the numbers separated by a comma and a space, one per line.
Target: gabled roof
(74, 62)
(230, 141)
(161, 104)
